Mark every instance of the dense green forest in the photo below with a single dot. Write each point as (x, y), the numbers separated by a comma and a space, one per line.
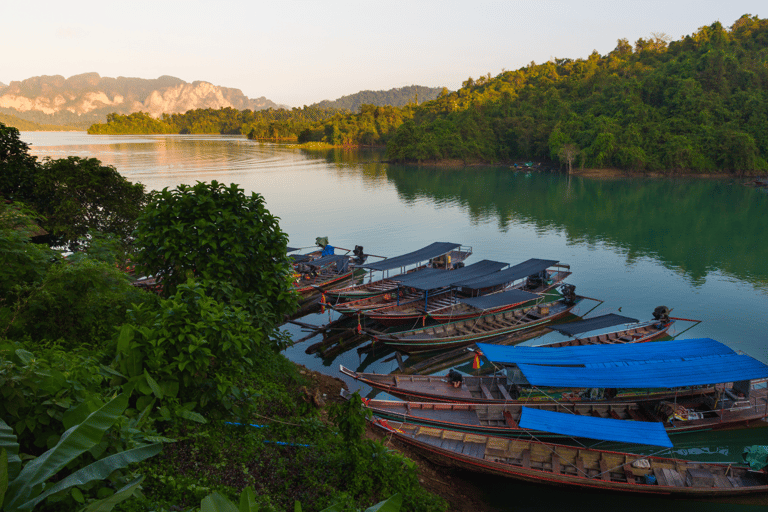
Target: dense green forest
(698, 104)
(174, 395)
(372, 125)
(398, 97)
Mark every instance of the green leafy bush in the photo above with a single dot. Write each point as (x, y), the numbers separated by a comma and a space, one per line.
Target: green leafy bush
(225, 238)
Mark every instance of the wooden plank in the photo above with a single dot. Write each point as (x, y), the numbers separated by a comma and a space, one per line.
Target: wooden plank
(661, 477)
(580, 467)
(510, 420)
(504, 393)
(526, 458)
(673, 477)
(486, 392)
(604, 474)
(628, 474)
(556, 469)
(722, 481)
(633, 414)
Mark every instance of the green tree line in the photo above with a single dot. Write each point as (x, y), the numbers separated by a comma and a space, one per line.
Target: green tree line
(698, 104)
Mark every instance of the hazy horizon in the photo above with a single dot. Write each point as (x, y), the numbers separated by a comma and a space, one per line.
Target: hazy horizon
(299, 52)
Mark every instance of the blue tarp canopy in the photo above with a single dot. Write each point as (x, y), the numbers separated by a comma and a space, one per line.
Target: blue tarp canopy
(591, 324)
(425, 253)
(604, 429)
(602, 355)
(700, 371)
(496, 300)
(445, 279)
(519, 271)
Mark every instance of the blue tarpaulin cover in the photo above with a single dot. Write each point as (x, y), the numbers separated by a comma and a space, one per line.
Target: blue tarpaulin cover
(603, 429)
(699, 371)
(496, 300)
(422, 255)
(595, 355)
(591, 324)
(445, 279)
(519, 271)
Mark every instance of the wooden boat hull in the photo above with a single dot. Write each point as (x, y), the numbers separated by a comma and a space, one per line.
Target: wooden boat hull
(502, 420)
(648, 331)
(485, 328)
(494, 390)
(577, 467)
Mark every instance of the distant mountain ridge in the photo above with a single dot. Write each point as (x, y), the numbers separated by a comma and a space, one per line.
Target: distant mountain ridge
(85, 99)
(396, 97)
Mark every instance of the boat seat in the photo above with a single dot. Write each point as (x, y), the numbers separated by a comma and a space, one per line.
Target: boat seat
(486, 392)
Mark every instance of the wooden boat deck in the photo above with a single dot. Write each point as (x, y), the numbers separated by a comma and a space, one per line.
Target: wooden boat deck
(576, 466)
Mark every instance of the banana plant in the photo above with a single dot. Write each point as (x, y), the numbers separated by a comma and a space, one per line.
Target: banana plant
(23, 486)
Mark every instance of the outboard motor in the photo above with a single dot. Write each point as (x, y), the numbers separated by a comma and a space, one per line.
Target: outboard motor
(661, 314)
(359, 258)
(569, 293)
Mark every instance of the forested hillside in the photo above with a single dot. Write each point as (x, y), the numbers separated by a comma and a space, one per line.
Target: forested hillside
(398, 97)
(698, 104)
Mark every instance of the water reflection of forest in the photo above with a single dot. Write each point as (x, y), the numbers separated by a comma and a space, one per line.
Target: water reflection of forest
(694, 225)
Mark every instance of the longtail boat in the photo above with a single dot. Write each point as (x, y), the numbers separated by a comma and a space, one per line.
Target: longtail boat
(315, 276)
(625, 372)
(497, 389)
(460, 296)
(438, 255)
(719, 411)
(633, 332)
(581, 467)
(481, 328)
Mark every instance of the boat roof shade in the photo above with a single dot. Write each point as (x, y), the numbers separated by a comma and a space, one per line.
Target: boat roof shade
(290, 249)
(417, 275)
(444, 279)
(591, 324)
(519, 271)
(299, 258)
(327, 260)
(699, 371)
(495, 300)
(603, 429)
(425, 253)
(594, 355)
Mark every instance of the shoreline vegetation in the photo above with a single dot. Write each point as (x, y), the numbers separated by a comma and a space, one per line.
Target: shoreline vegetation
(160, 398)
(698, 105)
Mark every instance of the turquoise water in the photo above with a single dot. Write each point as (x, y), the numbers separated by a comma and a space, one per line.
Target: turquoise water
(697, 246)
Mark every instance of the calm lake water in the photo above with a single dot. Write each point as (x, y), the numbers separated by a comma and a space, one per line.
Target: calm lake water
(698, 246)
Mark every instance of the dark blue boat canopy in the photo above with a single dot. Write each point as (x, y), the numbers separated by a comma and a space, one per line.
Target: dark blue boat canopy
(591, 324)
(417, 275)
(519, 271)
(327, 260)
(444, 279)
(597, 355)
(290, 249)
(496, 300)
(650, 374)
(603, 429)
(422, 255)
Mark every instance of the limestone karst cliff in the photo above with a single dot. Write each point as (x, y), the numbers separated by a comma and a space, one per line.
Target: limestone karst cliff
(88, 98)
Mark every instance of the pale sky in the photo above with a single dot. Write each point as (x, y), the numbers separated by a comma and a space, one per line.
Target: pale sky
(298, 52)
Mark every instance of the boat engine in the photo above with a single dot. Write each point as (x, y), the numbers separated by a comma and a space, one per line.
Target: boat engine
(569, 293)
(661, 313)
(359, 258)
